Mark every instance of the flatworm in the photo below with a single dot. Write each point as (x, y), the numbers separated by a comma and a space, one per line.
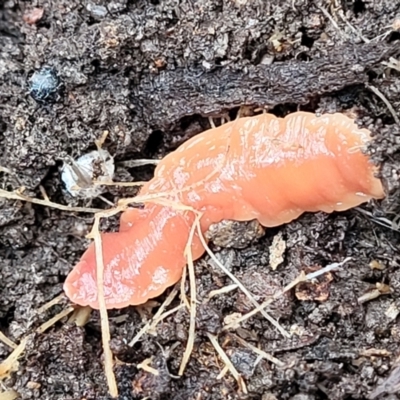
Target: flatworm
(262, 167)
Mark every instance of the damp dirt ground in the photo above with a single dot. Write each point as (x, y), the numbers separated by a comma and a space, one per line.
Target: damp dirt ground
(151, 73)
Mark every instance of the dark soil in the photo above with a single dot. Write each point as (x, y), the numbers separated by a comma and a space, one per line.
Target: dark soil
(151, 72)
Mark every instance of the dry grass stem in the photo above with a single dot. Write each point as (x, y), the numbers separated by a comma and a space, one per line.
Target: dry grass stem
(258, 351)
(138, 163)
(223, 290)
(122, 184)
(9, 395)
(151, 324)
(145, 366)
(241, 286)
(301, 278)
(10, 364)
(80, 316)
(356, 31)
(333, 22)
(17, 196)
(223, 372)
(394, 225)
(183, 291)
(42, 328)
(165, 315)
(227, 362)
(192, 280)
(378, 93)
(392, 63)
(105, 327)
(8, 342)
(51, 303)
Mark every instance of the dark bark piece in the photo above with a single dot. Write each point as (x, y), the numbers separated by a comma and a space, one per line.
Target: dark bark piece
(165, 99)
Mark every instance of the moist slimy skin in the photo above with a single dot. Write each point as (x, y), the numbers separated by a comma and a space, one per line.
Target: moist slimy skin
(263, 167)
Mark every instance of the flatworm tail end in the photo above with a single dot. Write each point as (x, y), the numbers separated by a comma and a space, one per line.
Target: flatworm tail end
(139, 263)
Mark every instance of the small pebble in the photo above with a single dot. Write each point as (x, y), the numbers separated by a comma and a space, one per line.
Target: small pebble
(44, 85)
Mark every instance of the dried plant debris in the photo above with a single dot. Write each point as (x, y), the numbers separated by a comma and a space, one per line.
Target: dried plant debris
(82, 177)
